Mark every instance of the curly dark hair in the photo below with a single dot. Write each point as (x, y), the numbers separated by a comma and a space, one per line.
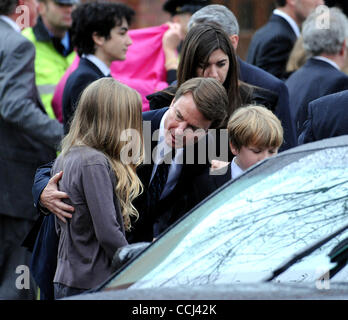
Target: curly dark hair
(7, 6)
(280, 3)
(99, 17)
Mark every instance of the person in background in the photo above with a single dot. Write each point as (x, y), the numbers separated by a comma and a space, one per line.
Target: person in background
(297, 57)
(248, 73)
(254, 133)
(321, 74)
(100, 35)
(180, 12)
(100, 183)
(327, 117)
(28, 138)
(271, 45)
(54, 50)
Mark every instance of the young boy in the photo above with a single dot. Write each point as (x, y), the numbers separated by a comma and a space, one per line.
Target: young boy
(255, 133)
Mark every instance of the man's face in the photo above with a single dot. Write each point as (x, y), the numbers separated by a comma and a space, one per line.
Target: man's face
(184, 123)
(304, 7)
(55, 15)
(115, 47)
(182, 19)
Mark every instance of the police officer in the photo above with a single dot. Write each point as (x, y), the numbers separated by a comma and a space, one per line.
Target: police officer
(52, 40)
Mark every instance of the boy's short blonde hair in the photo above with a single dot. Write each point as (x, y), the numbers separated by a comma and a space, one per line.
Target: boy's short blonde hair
(254, 125)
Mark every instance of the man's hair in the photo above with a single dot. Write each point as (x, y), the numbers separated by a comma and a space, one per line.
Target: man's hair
(218, 14)
(254, 125)
(8, 7)
(327, 38)
(210, 98)
(99, 17)
(280, 3)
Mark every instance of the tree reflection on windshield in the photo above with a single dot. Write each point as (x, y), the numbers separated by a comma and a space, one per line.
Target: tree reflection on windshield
(250, 234)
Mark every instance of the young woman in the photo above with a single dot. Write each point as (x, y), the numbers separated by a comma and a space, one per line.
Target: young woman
(100, 183)
(207, 52)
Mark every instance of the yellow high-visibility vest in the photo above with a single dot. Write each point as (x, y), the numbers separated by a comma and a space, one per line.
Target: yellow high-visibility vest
(50, 66)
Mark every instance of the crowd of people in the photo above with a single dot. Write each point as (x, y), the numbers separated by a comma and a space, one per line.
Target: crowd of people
(107, 175)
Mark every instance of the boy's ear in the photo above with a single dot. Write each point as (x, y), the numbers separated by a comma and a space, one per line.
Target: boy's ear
(233, 149)
(98, 40)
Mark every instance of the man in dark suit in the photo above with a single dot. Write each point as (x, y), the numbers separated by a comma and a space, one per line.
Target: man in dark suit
(28, 138)
(321, 74)
(250, 74)
(199, 104)
(100, 34)
(175, 132)
(327, 117)
(271, 45)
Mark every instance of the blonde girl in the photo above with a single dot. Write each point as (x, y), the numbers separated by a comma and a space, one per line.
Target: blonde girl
(100, 184)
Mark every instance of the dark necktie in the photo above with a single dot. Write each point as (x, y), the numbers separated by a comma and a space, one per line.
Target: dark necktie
(159, 181)
(57, 43)
(157, 185)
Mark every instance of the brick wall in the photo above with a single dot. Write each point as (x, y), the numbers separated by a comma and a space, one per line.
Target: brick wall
(148, 12)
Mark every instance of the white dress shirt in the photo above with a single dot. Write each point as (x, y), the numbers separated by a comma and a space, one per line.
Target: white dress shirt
(236, 170)
(100, 64)
(290, 20)
(334, 64)
(9, 21)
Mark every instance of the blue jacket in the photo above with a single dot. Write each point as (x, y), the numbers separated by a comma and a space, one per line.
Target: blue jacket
(315, 79)
(327, 117)
(271, 45)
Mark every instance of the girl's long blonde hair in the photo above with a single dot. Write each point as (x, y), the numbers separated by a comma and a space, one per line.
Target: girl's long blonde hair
(107, 115)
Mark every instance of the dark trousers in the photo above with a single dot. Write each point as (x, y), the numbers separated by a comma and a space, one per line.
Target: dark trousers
(16, 282)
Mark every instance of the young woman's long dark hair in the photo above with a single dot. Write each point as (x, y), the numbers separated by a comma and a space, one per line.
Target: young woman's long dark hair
(200, 42)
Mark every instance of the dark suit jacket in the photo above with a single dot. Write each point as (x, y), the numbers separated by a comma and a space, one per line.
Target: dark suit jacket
(271, 45)
(86, 73)
(327, 117)
(257, 77)
(205, 184)
(28, 137)
(313, 80)
(174, 205)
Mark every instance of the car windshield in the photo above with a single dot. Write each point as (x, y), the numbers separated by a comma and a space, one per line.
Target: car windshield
(250, 227)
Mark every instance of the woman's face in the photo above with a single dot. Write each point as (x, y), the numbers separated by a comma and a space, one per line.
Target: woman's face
(217, 67)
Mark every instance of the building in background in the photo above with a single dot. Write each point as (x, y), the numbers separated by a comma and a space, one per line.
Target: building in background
(251, 15)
